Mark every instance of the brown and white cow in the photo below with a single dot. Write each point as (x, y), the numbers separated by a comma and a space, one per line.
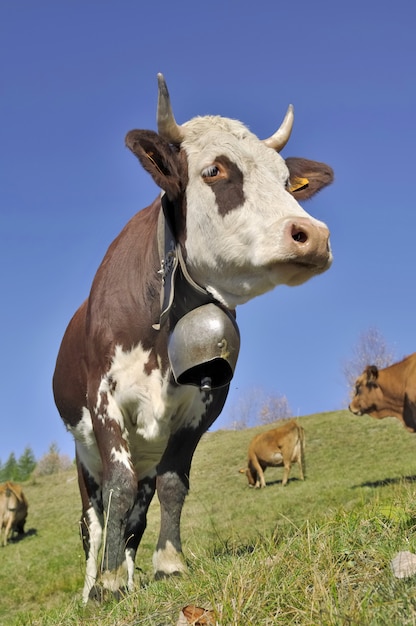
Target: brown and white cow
(13, 510)
(237, 232)
(388, 392)
(281, 446)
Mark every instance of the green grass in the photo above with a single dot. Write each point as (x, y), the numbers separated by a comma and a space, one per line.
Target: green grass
(313, 553)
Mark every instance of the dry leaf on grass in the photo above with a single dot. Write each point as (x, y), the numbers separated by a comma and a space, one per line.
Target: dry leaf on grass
(196, 616)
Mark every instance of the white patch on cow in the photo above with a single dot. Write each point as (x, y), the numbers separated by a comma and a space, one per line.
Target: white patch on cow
(86, 445)
(168, 561)
(95, 536)
(277, 458)
(130, 568)
(147, 408)
(239, 255)
(114, 580)
(121, 456)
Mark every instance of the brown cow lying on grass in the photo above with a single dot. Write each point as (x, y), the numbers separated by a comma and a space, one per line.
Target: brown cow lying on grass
(13, 511)
(389, 392)
(280, 446)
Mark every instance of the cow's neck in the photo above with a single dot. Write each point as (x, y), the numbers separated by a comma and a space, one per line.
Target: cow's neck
(179, 292)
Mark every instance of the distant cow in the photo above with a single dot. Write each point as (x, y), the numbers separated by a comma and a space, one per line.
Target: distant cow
(389, 392)
(278, 447)
(226, 229)
(13, 510)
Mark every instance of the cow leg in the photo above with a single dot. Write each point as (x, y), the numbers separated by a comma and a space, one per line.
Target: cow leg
(299, 457)
(286, 473)
(10, 517)
(119, 496)
(262, 483)
(105, 515)
(172, 486)
(118, 483)
(137, 524)
(7, 529)
(92, 523)
(91, 527)
(301, 463)
(258, 468)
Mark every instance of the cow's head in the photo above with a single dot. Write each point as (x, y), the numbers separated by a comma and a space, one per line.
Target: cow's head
(251, 474)
(233, 202)
(368, 396)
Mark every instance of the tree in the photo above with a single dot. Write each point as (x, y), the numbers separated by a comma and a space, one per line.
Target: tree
(275, 408)
(10, 470)
(26, 464)
(20, 470)
(52, 462)
(243, 413)
(255, 407)
(371, 349)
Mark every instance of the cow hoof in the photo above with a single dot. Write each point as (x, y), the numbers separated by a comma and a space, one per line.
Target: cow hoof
(100, 595)
(163, 575)
(97, 594)
(119, 594)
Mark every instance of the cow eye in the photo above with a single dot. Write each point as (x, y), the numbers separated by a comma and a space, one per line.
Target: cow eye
(212, 171)
(215, 172)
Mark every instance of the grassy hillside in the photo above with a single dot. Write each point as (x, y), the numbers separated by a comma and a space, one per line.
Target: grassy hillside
(315, 553)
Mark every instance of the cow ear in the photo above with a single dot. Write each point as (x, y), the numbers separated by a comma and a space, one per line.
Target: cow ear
(372, 373)
(307, 177)
(158, 158)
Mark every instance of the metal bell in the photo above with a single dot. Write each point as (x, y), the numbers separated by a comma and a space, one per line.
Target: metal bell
(203, 347)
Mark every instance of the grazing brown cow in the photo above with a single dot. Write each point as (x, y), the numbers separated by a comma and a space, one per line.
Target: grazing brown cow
(226, 229)
(280, 446)
(389, 392)
(13, 510)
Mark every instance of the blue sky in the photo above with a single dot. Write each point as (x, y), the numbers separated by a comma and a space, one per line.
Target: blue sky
(76, 76)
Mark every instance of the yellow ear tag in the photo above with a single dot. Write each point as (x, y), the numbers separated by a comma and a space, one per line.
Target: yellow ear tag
(149, 155)
(296, 183)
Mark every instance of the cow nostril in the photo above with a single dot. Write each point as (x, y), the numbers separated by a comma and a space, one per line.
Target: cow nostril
(299, 235)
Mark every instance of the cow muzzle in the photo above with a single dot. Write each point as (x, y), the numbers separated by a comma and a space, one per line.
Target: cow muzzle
(306, 246)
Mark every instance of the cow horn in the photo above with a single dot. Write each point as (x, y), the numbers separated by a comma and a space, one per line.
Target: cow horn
(280, 138)
(166, 124)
